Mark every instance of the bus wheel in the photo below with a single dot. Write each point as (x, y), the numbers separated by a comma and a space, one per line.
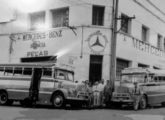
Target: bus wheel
(22, 103)
(143, 102)
(58, 100)
(3, 98)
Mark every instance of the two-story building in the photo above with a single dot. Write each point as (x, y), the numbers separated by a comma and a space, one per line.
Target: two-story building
(78, 33)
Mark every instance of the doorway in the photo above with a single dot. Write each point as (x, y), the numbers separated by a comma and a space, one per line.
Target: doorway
(95, 68)
(35, 84)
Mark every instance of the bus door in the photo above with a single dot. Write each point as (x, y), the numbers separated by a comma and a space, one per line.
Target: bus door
(35, 84)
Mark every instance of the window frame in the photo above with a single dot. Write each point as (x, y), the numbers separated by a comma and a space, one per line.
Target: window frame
(145, 37)
(126, 28)
(33, 26)
(63, 23)
(98, 14)
(159, 41)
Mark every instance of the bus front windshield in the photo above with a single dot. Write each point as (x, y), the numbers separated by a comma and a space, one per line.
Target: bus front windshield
(132, 78)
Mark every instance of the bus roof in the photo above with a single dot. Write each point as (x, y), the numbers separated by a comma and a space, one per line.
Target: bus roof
(37, 65)
(143, 70)
(29, 64)
(134, 70)
(157, 72)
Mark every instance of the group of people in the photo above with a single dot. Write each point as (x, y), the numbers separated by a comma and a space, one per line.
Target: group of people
(100, 93)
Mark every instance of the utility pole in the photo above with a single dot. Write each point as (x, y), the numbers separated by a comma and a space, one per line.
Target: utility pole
(113, 43)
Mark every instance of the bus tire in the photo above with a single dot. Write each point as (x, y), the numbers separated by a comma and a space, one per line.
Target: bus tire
(22, 103)
(3, 98)
(143, 102)
(58, 100)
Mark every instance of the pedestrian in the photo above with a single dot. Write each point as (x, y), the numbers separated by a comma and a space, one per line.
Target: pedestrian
(90, 94)
(101, 89)
(95, 94)
(107, 93)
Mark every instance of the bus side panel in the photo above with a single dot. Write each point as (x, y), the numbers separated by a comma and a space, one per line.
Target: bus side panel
(17, 88)
(44, 97)
(46, 90)
(16, 94)
(158, 95)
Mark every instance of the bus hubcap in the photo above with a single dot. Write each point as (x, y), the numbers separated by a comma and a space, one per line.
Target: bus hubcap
(58, 101)
(3, 98)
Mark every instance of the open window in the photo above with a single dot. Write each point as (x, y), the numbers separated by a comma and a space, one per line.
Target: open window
(9, 71)
(18, 71)
(47, 72)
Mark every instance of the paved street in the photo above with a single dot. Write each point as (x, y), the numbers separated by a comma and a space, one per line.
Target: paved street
(47, 113)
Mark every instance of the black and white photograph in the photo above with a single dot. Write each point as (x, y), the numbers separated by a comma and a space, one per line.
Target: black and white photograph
(82, 60)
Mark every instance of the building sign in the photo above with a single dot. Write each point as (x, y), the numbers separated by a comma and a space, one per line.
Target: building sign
(140, 45)
(41, 43)
(34, 44)
(37, 53)
(97, 42)
(37, 35)
(37, 44)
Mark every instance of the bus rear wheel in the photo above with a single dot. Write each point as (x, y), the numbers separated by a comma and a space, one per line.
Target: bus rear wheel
(143, 102)
(58, 100)
(3, 98)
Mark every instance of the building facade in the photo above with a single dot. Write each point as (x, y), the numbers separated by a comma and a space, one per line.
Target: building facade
(78, 34)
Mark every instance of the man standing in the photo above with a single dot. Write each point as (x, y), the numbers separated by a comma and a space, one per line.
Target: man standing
(107, 93)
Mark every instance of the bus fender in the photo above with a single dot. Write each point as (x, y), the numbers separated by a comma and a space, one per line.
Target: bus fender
(61, 91)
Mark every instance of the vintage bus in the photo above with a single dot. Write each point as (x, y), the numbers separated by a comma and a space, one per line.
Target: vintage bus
(140, 87)
(47, 83)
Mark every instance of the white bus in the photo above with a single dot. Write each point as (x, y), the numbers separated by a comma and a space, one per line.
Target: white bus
(48, 83)
(140, 87)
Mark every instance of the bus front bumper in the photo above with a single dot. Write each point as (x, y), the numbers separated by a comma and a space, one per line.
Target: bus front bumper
(122, 98)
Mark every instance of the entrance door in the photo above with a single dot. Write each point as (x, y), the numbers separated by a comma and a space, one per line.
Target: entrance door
(95, 72)
(35, 84)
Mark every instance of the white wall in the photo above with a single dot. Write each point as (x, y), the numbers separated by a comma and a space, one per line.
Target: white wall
(4, 46)
(143, 17)
(125, 48)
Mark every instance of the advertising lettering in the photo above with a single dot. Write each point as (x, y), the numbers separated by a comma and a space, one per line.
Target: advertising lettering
(147, 47)
(36, 35)
(37, 53)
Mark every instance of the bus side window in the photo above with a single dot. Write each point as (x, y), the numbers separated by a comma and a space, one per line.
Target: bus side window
(163, 79)
(70, 76)
(8, 71)
(47, 72)
(61, 75)
(1, 71)
(151, 78)
(155, 79)
(27, 71)
(18, 71)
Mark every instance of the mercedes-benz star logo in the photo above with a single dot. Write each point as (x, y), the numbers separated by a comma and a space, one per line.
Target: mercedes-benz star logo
(97, 42)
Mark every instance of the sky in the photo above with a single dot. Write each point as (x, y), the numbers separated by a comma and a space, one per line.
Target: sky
(7, 7)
